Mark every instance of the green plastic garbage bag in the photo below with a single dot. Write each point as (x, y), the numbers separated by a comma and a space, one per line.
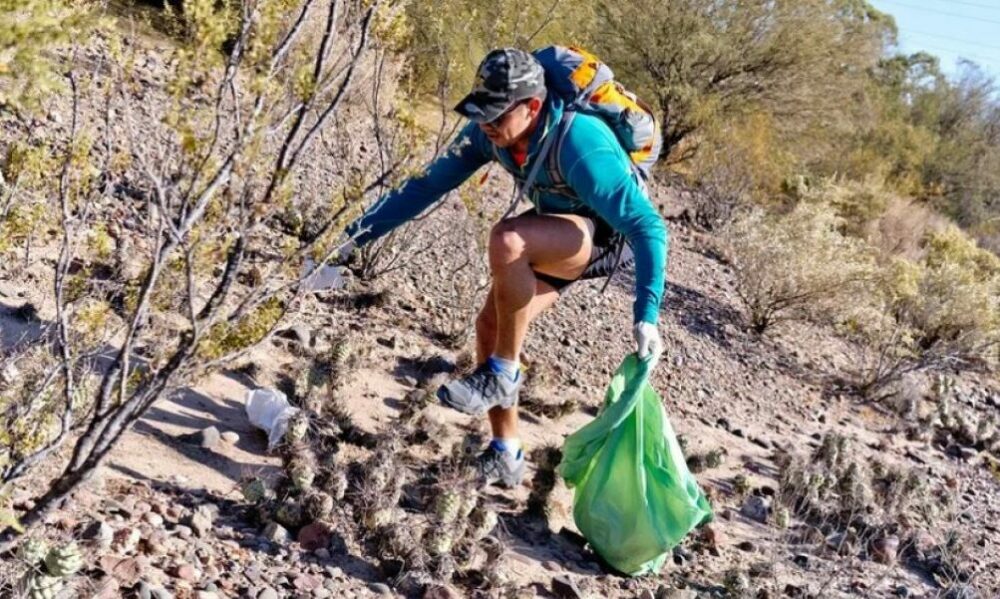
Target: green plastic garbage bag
(635, 498)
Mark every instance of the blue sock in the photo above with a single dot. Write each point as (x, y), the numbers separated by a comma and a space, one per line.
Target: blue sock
(503, 366)
(512, 446)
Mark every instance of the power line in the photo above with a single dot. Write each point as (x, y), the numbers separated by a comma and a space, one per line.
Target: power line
(952, 39)
(981, 60)
(975, 4)
(942, 12)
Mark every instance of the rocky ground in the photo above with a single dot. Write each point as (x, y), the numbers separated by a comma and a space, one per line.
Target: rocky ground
(777, 441)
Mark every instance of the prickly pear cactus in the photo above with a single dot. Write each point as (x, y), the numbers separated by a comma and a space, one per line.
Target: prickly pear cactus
(64, 561)
(254, 490)
(447, 506)
(32, 551)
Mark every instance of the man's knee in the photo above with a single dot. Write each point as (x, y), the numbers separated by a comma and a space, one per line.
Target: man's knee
(505, 242)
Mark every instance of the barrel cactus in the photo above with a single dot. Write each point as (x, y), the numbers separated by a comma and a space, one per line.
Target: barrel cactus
(447, 506)
(254, 490)
(35, 585)
(32, 551)
(64, 561)
(439, 541)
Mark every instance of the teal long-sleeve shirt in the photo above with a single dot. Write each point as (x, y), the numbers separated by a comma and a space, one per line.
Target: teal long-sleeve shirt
(595, 168)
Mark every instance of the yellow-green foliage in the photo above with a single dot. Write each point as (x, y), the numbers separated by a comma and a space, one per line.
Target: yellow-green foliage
(226, 338)
(29, 29)
(448, 38)
(959, 293)
(857, 203)
(795, 264)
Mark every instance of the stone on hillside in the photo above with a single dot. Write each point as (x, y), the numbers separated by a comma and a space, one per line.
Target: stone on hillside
(231, 437)
(756, 508)
(314, 536)
(126, 570)
(276, 533)
(884, 549)
(564, 588)
(201, 521)
(99, 533)
(440, 591)
(267, 593)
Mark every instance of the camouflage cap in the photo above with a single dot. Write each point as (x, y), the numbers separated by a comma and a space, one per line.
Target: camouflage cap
(505, 76)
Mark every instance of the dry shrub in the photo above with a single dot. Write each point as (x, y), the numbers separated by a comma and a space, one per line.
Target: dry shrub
(943, 311)
(901, 227)
(795, 265)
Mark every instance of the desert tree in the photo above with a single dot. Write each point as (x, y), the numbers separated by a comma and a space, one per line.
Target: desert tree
(165, 191)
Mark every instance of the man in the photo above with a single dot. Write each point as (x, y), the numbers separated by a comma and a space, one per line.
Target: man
(581, 227)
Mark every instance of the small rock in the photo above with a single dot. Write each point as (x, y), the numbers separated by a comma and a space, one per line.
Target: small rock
(322, 553)
(126, 539)
(667, 593)
(125, 570)
(756, 508)
(231, 437)
(183, 531)
(884, 549)
(201, 521)
(186, 572)
(306, 582)
(99, 533)
(314, 536)
(206, 438)
(647, 594)
(153, 519)
(276, 533)
(267, 593)
(565, 588)
(440, 591)
(380, 588)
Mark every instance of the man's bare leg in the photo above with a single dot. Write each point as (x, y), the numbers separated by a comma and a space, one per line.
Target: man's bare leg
(503, 421)
(560, 246)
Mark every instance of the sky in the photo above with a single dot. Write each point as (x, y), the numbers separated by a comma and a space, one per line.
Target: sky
(950, 30)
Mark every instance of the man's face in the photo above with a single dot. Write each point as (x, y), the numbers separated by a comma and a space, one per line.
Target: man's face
(513, 124)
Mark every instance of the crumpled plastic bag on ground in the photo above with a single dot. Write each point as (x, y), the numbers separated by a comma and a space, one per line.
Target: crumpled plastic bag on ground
(634, 497)
(269, 410)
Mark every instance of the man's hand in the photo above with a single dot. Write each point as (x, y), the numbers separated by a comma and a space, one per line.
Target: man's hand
(647, 339)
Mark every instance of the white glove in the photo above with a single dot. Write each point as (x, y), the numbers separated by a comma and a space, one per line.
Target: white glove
(647, 339)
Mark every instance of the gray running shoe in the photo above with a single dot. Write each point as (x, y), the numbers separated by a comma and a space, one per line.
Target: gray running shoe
(495, 466)
(478, 392)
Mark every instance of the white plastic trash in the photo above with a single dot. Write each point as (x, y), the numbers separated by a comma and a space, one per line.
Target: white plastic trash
(323, 278)
(269, 410)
